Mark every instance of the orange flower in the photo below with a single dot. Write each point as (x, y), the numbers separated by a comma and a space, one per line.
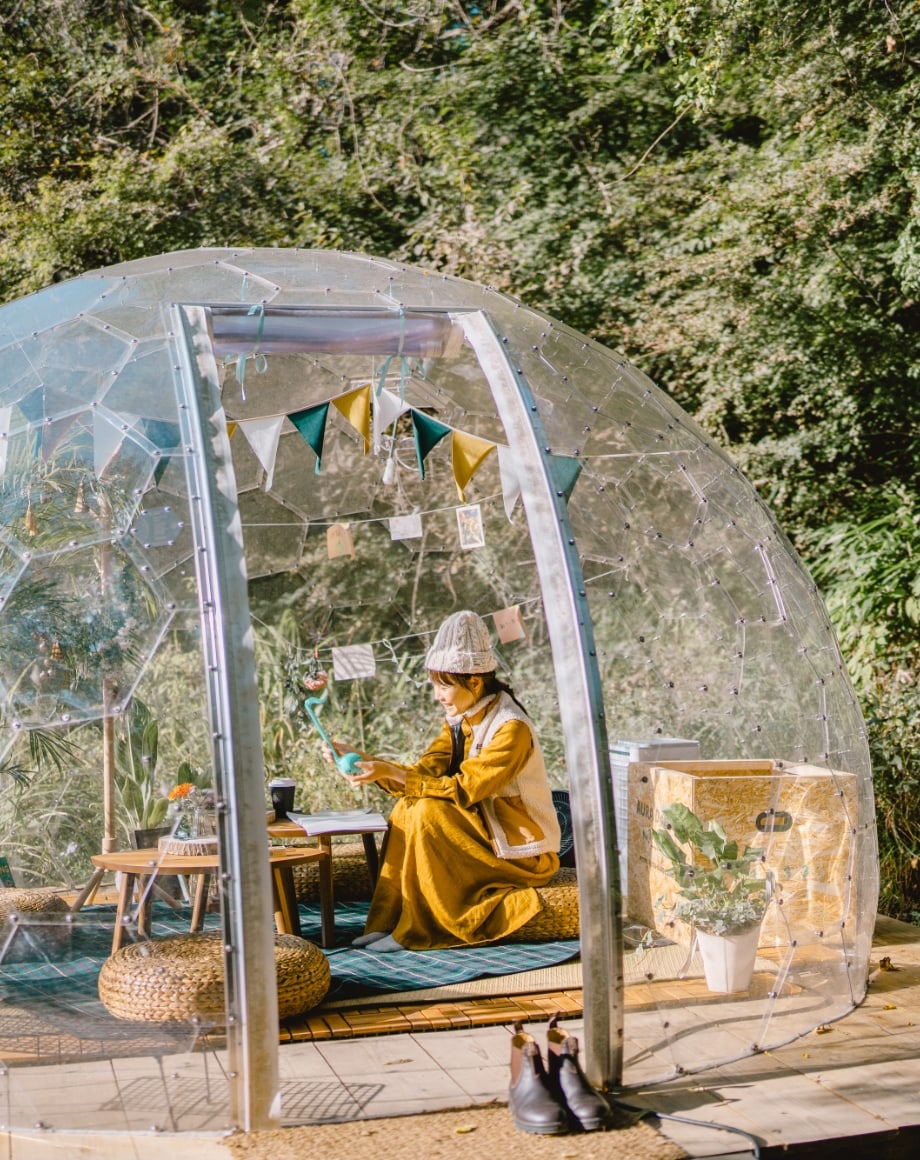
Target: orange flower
(181, 791)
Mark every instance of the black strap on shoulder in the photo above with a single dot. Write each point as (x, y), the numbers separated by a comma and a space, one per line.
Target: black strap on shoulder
(456, 750)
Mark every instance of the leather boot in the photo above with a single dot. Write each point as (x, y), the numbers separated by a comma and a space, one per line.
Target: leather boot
(533, 1105)
(586, 1105)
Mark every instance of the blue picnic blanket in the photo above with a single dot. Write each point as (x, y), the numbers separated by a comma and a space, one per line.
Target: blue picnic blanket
(70, 977)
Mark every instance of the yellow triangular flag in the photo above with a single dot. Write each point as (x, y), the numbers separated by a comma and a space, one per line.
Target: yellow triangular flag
(231, 427)
(355, 407)
(467, 452)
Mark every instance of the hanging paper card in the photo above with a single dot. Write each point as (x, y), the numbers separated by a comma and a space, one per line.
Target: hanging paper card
(262, 435)
(311, 423)
(406, 527)
(509, 625)
(428, 433)
(469, 524)
(356, 408)
(467, 453)
(339, 541)
(353, 662)
(511, 488)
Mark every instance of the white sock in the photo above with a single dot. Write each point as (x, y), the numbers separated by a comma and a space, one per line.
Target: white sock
(365, 940)
(388, 944)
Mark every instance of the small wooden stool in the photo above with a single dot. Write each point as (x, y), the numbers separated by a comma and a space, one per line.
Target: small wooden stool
(181, 978)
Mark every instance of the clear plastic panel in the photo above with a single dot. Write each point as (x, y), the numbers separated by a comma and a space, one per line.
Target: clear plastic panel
(707, 628)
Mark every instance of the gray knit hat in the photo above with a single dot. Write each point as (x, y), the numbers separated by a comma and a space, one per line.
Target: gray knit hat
(462, 645)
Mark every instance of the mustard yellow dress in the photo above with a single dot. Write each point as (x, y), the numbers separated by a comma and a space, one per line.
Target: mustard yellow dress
(441, 882)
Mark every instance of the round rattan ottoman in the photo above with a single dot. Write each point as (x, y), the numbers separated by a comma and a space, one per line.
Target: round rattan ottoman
(42, 918)
(351, 879)
(559, 917)
(180, 978)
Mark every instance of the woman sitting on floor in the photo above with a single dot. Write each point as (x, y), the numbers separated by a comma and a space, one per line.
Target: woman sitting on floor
(475, 830)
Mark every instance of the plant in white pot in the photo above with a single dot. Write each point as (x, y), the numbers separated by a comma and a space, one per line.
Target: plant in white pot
(718, 893)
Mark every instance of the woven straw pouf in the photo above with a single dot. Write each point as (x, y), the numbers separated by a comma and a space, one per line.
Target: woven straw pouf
(41, 915)
(181, 978)
(351, 880)
(559, 917)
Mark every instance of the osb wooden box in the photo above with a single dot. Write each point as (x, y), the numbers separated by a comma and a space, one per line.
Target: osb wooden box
(803, 816)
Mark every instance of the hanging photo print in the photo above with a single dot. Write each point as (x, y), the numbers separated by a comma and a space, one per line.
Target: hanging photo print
(469, 524)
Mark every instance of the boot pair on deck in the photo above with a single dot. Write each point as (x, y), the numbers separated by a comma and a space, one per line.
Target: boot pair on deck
(550, 1102)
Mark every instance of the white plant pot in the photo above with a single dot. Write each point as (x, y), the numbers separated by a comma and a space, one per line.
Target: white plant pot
(728, 959)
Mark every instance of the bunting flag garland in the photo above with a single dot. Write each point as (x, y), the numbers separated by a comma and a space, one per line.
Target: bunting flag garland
(311, 423)
(567, 470)
(262, 435)
(428, 434)
(231, 429)
(467, 453)
(355, 408)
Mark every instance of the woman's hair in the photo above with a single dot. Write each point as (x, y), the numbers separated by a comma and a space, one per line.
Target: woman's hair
(491, 683)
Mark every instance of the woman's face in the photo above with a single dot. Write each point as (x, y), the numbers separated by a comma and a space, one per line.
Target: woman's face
(455, 699)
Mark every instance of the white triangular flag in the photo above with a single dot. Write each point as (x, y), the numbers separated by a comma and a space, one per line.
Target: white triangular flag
(387, 409)
(507, 470)
(262, 435)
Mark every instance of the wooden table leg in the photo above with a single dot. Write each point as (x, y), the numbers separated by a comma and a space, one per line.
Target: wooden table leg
(371, 857)
(122, 913)
(287, 916)
(200, 904)
(326, 896)
(144, 904)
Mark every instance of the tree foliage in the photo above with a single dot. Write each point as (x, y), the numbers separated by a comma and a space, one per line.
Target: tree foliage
(726, 190)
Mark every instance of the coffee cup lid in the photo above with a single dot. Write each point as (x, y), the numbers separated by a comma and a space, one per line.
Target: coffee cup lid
(282, 781)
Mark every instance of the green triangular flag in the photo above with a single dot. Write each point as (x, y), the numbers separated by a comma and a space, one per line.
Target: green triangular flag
(428, 433)
(311, 423)
(567, 470)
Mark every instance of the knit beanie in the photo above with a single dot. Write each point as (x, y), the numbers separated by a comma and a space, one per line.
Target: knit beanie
(462, 645)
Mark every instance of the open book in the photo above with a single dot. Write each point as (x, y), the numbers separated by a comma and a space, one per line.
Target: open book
(339, 822)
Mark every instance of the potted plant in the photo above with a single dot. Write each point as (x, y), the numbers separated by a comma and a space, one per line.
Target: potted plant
(718, 893)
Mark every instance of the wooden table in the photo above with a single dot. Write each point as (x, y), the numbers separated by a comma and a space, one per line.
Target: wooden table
(137, 866)
(286, 830)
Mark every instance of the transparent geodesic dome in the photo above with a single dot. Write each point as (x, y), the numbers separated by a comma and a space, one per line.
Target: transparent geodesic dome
(222, 471)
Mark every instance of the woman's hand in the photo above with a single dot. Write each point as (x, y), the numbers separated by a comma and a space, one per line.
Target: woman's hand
(339, 749)
(374, 770)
